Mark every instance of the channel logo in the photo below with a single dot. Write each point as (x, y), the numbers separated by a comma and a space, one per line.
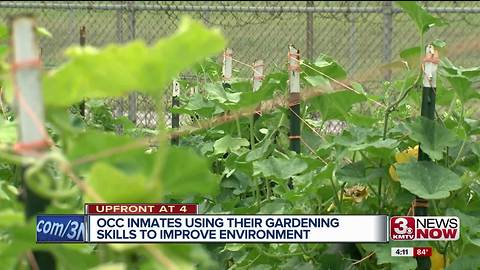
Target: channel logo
(408, 228)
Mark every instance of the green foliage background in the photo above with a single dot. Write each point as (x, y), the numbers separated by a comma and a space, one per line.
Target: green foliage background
(243, 166)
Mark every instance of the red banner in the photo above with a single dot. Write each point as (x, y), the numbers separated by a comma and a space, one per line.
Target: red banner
(140, 209)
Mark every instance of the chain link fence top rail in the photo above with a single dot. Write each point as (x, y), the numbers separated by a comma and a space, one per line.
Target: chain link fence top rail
(361, 36)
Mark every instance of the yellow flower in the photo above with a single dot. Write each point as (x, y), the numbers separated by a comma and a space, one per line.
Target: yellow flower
(393, 173)
(406, 156)
(437, 259)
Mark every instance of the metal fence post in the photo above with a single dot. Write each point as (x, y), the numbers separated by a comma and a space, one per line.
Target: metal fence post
(309, 53)
(132, 97)
(387, 35)
(83, 34)
(119, 111)
(353, 42)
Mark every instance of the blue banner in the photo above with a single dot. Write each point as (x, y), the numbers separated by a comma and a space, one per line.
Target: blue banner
(60, 228)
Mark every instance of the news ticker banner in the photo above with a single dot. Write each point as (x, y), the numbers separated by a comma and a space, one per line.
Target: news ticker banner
(181, 223)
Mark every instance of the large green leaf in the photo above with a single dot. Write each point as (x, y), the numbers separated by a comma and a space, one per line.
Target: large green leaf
(186, 173)
(465, 262)
(446, 94)
(3, 32)
(324, 65)
(182, 173)
(119, 151)
(420, 16)
(215, 91)
(209, 67)
(196, 105)
(8, 132)
(317, 80)
(259, 152)
(73, 257)
(118, 69)
(470, 225)
(433, 138)
(463, 87)
(428, 180)
(379, 147)
(227, 144)
(383, 255)
(412, 57)
(359, 172)
(336, 105)
(10, 217)
(112, 185)
(362, 120)
(279, 167)
(17, 240)
(452, 69)
(250, 98)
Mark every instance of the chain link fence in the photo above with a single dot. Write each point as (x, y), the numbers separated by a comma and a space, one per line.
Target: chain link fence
(362, 36)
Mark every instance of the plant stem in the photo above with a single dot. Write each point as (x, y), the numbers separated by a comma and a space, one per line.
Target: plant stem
(458, 154)
(373, 190)
(335, 193)
(239, 130)
(392, 107)
(381, 202)
(445, 251)
(257, 190)
(277, 127)
(341, 197)
(252, 134)
(435, 208)
(308, 255)
(269, 190)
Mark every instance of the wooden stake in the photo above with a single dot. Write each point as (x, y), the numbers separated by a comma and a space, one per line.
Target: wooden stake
(227, 67)
(33, 137)
(429, 67)
(294, 98)
(175, 103)
(193, 91)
